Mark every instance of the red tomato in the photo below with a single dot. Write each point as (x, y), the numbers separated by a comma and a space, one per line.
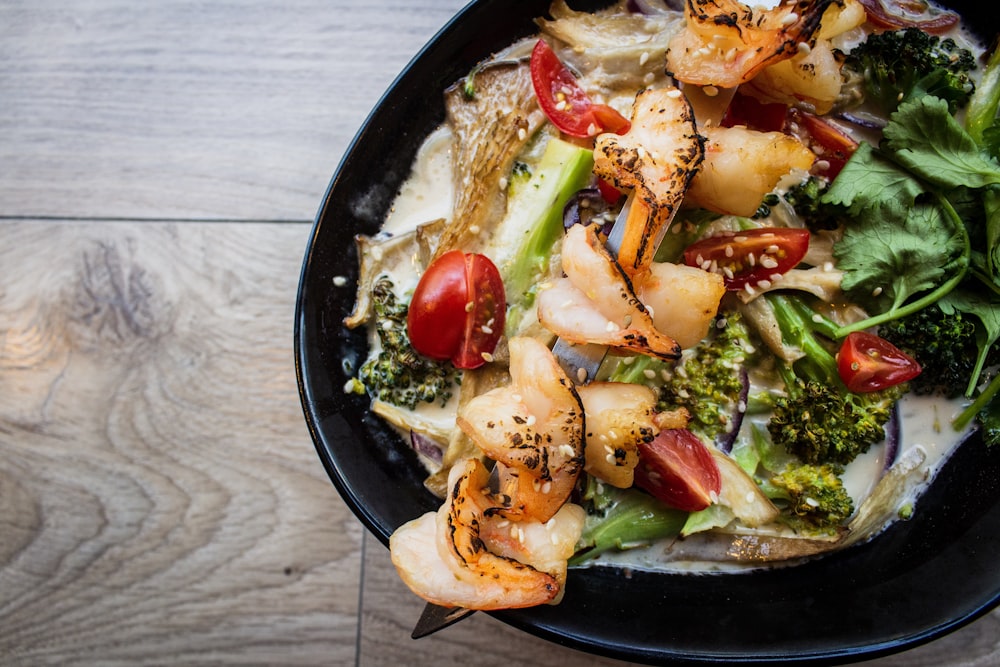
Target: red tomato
(754, 114)
(747, 258)
(609, 192)
(565, 103)
(458, 309)
(677, 468)
(908, 14)
(828, 142)
(866, 363)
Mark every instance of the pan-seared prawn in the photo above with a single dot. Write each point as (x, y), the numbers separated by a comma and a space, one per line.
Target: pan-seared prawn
(726, 43)
(596, 303)
(656, 159)
(533, 428)
(466, 555)
(742, 165)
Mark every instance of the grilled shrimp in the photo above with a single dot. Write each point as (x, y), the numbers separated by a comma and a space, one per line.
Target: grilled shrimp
(726, 43)
(466, 555)
(596, 302)
(656, 158)
(684, 300)
(743, 165)
(533, 428)
(619, 417)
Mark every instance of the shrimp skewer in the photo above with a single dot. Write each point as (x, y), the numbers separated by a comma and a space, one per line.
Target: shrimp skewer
(726, 43)
(467, 555)
(596, 302)
(656, 158)
(533, 428)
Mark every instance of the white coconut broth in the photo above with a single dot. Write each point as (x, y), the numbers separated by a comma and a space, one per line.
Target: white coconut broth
(925, 443)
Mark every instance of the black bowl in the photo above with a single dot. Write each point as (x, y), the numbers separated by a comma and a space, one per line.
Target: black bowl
(917, 581)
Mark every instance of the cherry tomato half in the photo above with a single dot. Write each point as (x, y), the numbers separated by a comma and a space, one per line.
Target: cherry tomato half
(908, 14)
(866, 363)
(829, 143)
(458, 309)
(754, 114)
(747, 258)
(677, 468)
(565, 103)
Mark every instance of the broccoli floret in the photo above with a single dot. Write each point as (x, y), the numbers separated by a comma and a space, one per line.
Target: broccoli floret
(397, 374)
(708, 380)
(943, 344)
(819, 420)
(901, 64)
(806, 199)
(815, 495)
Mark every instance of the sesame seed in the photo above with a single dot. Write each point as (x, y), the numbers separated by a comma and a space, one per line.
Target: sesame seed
(487, 357)
(730, 251)
(644, 58)
(546, 487)
(581, 375)
(469, 306)
(764, 284)
(673, 93)
(804, 49)
(339, 281)
(877, 291)
(522, 134)
(531, 420)
(486, 330)
(789, 19)
(710, 91)
(822, 165)
(650, 374)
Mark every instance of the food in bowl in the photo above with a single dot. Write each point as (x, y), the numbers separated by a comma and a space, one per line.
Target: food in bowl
(798, 310)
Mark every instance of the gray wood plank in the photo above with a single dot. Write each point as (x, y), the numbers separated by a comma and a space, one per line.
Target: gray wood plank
(160, 498)
(230, 109)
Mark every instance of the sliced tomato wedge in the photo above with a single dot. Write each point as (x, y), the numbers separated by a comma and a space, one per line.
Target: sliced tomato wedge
(867, 363)
(565, 103)
(750, 257)
(752, 113)
(898, 14)
(677, 468)
(828, 142)
(458, 310)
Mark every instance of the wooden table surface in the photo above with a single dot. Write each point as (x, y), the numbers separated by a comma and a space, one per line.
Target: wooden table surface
(160, 498)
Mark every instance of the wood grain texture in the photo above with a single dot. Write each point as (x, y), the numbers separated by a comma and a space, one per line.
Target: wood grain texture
(161, 498)
(231, 109)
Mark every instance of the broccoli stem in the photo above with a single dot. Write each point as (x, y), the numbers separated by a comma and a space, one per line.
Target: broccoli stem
(798, 324)
(966, 416)
(932, 297)
(982, 110)
(563, 170)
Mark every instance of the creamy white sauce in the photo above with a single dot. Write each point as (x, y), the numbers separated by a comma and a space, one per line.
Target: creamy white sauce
(429, 192)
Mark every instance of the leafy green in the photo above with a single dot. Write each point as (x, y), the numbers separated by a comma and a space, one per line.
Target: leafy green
(620, 519)
(981, 114)
(926, 139)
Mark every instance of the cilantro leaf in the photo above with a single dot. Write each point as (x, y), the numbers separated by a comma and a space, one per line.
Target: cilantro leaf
(885, 263)
(872, 184)
(926, 139)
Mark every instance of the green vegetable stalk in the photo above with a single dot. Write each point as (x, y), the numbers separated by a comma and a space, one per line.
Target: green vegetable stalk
(564, 169)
